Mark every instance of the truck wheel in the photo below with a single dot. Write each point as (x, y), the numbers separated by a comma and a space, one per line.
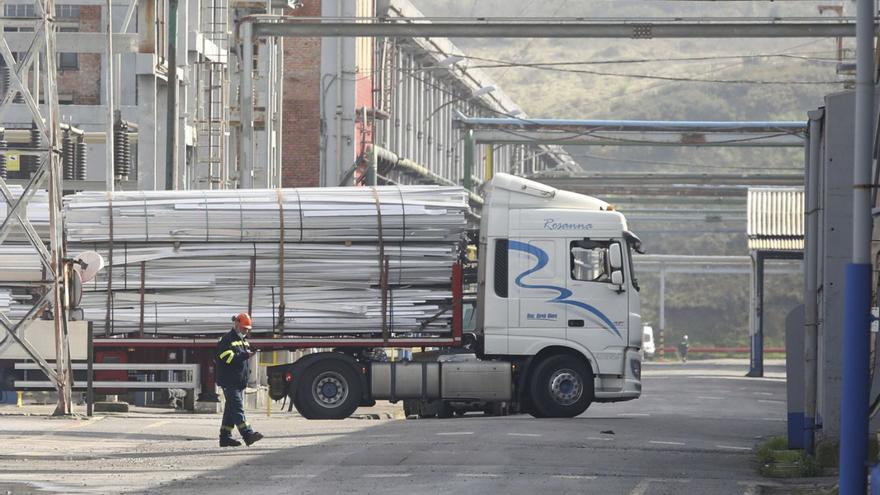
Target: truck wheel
(328, 389)
(561, 387)
(444, 410)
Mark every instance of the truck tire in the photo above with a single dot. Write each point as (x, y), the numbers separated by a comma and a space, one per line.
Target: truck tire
(328, 389)
(444, 410)
(410, 407)
(561, 387)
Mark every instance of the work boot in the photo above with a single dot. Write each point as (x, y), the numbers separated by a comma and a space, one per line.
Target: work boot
(229, 442)
(252, 437)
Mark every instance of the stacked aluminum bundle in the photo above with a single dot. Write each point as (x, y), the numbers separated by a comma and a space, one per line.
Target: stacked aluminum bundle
(37, 212)
(19, 263)
(204, 254)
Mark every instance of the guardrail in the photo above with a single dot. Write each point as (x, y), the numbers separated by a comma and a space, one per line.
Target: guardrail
(720, 350)
(191, 381)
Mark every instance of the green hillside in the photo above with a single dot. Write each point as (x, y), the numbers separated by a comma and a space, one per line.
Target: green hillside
(691, 79)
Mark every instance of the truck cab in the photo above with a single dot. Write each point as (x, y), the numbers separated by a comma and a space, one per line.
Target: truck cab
(556, 285)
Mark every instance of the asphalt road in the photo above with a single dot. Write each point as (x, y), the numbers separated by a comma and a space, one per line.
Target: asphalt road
(693, 431)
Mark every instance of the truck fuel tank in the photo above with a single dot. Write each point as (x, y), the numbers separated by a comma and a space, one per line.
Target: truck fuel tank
(483, 380)
(405, 380)
(472, 380)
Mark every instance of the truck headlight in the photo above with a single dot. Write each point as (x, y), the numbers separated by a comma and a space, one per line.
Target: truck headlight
(636, 367)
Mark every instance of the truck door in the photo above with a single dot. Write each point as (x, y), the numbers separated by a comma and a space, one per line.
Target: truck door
(596, 310)
(536, 267)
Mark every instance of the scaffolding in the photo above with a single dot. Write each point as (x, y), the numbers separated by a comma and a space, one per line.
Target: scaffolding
(32, 79)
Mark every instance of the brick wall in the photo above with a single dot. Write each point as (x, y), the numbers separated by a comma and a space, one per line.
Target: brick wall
(301, 159)
(83, 84)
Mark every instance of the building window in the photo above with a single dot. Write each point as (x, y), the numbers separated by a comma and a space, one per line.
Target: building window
(19, 10)
(67, 12)
(68, 61)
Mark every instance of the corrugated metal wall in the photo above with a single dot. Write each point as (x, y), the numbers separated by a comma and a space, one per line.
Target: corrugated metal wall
(776, 218)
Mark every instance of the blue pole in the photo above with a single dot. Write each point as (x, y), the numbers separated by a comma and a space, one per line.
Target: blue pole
(857, 292)
(854, 403)
(875, 480)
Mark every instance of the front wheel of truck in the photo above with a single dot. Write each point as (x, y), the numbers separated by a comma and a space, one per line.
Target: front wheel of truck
(561, 387)
(328, 389)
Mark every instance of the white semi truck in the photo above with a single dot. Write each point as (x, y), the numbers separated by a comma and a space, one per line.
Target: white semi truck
(557, 328)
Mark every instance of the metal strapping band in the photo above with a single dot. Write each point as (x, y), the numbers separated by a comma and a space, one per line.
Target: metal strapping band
(107, 324)
(383, 280)
(300, 208)
(207, 223)
(252, 280)
(280, 195)
(240, 222)
(124, 266)
(146, 221)
(142, 291)
(402, 237)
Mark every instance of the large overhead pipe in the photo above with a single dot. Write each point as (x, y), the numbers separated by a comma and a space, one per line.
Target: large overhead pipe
(602, 28)
(857, 291)
(382, 155)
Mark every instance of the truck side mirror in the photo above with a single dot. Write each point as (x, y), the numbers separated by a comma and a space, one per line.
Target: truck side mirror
(616, 256)
(617, 277)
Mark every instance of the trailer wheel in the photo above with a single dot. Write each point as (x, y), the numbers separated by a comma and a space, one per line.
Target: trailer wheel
(561, 387)
(328, 389)
(444, 410)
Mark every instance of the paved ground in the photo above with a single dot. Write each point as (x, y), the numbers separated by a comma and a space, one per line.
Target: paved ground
(693, 431)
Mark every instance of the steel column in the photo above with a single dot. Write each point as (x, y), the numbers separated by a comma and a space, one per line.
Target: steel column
(756, 329)
(857, 291)
(246, 110)
(811, 267)
(171, 169)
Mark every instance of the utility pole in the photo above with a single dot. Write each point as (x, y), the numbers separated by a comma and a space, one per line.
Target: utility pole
(857, 290)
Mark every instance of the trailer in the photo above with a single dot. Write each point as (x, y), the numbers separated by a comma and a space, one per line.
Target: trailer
(558, 322)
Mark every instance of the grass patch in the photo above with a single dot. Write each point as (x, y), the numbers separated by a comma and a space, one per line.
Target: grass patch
(776, 460)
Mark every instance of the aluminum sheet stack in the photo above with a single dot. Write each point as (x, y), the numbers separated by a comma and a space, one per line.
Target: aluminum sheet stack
(37, 212)
(188, 260)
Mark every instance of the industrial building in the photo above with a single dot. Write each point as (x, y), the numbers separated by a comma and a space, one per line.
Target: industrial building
(318, 104)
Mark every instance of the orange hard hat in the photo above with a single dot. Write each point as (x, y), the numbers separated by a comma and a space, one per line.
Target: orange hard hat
(244, 320)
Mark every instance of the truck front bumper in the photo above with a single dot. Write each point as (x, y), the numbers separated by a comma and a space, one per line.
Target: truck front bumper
(620, 388)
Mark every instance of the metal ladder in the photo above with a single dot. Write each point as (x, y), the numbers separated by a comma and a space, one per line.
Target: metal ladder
(212, 99)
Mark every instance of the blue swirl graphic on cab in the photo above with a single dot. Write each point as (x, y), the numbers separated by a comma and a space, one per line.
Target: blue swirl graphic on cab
(564, 294)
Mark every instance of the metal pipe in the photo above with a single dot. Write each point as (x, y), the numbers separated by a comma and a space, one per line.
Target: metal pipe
(171, 171)
(469, 152)
(593, 179)
(857, 291)
(372, 166)
(246, 157)
(756, 366)
(811, 289)
(490, 162)
(662, 328)
(110, 178)
(636, 125)
(304, 27)
(409, 166)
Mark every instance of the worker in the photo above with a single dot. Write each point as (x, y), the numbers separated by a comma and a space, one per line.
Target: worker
(683, 348)
(233, 353)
